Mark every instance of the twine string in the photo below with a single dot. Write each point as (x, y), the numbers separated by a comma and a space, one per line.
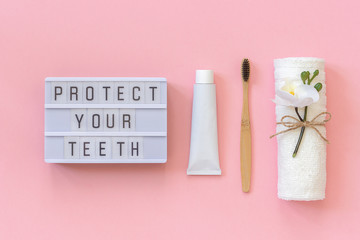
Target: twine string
(293, 125)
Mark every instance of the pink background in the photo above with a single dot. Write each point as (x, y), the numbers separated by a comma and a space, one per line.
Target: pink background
(172, 39)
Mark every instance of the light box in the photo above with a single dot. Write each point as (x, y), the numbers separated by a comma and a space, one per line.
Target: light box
(105, 120)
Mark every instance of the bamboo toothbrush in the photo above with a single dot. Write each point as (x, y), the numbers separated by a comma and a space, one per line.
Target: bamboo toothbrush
(245, 137)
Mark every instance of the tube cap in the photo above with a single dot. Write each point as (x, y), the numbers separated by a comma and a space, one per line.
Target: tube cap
(204, 76)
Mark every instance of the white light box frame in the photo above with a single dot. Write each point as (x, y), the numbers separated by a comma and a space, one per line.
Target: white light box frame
(105, 120)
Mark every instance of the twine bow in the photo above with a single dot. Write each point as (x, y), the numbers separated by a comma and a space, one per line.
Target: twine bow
(298, 124)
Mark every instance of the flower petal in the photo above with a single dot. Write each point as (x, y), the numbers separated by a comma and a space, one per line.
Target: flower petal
(304, 95)
(287, 98)
(303, 102)
(282, 102)
(307, 91)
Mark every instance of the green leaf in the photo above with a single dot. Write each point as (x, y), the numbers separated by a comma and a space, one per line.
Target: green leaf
(315, 73)
(304, 76)
(318, 87)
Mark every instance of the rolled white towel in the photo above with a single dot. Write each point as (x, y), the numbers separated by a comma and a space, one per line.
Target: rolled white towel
(302, 178)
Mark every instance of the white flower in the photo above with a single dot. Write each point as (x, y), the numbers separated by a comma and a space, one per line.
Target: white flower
(295, 93)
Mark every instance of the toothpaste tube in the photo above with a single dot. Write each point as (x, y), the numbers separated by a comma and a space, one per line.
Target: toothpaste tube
(204, 155)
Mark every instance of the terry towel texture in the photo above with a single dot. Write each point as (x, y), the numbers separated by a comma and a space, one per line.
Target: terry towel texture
(302, 178)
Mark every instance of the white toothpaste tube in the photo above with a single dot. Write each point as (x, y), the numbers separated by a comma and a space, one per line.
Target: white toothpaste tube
(204, 155)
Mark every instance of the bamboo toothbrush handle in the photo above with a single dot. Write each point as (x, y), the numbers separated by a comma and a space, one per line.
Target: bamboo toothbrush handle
(245, 141)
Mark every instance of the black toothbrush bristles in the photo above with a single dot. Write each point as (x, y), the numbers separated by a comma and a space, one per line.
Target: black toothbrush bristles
(245, 69)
